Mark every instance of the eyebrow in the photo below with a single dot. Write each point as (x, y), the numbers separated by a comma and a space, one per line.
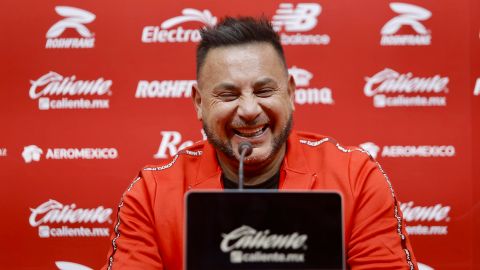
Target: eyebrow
(232, 86)
(225, 85)
(263, 82)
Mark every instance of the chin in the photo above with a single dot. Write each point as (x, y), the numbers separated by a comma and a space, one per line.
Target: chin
(258, 158)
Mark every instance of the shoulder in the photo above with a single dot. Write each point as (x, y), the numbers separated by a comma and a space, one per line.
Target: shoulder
(327, 146)
(185, 160)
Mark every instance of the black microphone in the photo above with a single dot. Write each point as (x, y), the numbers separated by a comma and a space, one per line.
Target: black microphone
(245, 149)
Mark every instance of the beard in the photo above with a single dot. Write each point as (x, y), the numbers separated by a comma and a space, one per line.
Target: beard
(227, 149)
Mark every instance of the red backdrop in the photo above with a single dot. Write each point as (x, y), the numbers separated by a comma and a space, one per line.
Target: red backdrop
(91, 91)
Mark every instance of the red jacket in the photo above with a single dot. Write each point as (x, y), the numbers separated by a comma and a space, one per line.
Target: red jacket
(148, 233)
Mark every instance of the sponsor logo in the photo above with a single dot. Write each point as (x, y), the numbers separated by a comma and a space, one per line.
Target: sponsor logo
(422, 266)
(71, 266)
(48, 87)
(248, 238)
(304, 94)
(418, 151)
(53, 219)
(371, 148)
(164, 89)
(399, 151)
(476, 89)
(170, 32)
(75, 19)
(3, 152)
(172, 143)
(409, 15)
(390, 88)
(33, 153)
(300, 18)
(421, 218)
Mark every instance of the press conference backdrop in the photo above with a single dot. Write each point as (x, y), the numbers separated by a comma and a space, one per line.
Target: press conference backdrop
(91, 91)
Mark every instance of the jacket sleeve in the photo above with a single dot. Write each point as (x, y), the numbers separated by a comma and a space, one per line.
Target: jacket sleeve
(133, 241)
(378, 238)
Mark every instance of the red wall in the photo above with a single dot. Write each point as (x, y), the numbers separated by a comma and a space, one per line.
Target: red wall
(428, 144)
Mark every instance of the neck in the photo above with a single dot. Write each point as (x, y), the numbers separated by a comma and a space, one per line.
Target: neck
(254, 173)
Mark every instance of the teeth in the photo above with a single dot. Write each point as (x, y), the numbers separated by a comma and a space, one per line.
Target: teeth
(249, 132)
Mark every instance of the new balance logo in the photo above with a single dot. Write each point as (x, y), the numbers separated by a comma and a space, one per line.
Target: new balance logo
(409, 15)
(75, 18)
(299, 18)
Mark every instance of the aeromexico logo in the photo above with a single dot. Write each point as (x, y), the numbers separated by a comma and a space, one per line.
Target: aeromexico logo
(246, 237)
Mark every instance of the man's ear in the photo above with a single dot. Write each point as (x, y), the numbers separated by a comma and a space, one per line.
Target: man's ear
(291, 90)
(197, 100)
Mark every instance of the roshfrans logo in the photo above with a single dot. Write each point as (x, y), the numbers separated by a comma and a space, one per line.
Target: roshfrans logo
(76, 19)
(409, 15)
(390, 88)
(421, 218)
(409, 151)
(164, 89)
(48, 87)
(304, 94)
(52, 219)
(32, 153)
(63, 265)
(167, 33)
(299, 18)
(476, 89)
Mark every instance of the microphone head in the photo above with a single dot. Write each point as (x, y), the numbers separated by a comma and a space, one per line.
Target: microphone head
(247, 146)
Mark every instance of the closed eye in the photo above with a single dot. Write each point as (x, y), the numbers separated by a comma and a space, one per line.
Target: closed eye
(264, 92)
(227, 95)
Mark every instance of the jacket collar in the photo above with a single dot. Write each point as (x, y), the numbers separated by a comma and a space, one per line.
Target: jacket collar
(295, 173)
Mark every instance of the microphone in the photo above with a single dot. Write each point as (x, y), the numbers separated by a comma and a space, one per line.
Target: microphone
(245, 149)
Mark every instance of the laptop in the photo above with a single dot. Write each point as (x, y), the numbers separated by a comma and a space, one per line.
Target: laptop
(263, 229)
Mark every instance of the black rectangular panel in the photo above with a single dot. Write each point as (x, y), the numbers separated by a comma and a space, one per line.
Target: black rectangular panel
(264, 230)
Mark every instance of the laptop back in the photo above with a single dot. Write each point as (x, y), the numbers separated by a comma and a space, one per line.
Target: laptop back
(263, 229)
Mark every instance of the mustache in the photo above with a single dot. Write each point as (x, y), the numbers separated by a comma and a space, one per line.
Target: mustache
(259, 121)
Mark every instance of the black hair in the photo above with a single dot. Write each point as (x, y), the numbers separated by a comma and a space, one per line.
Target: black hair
(236, 31)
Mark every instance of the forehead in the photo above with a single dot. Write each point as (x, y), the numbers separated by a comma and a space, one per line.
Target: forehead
(242, 62)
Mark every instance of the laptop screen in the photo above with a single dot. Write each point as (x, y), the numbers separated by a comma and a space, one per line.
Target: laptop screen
(263, 229)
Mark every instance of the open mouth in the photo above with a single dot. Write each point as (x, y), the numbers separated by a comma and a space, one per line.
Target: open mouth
(249, 132)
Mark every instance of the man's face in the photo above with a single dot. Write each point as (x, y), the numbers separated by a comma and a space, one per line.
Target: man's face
(245, 94)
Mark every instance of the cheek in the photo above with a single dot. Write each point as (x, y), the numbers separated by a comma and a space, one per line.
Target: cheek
(218, 115)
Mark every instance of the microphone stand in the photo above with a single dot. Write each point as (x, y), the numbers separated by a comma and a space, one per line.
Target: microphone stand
(245, 149)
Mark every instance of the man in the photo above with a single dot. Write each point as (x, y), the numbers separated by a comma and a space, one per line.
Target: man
(244, 93)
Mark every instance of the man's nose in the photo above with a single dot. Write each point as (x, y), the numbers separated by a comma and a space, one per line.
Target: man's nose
(249, 108)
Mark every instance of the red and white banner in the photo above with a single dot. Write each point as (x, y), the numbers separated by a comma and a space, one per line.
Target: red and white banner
(91, 91)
